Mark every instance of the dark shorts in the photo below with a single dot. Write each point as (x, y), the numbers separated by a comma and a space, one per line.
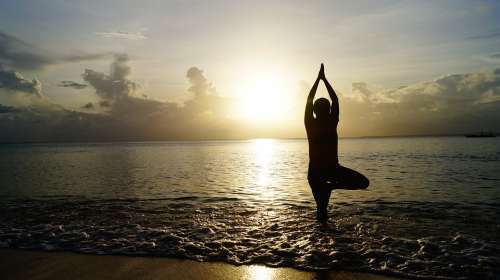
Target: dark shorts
(337, 177)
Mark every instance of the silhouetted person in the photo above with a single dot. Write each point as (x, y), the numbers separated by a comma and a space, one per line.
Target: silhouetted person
(325, 173)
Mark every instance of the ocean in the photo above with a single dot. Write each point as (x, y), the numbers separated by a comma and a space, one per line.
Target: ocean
(432, 209)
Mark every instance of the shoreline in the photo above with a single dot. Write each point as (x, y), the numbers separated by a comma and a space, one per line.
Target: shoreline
(28, 264)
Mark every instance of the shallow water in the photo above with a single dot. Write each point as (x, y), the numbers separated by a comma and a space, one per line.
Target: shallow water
(432, 209)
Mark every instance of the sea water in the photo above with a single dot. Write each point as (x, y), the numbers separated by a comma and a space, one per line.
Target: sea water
(432, 209)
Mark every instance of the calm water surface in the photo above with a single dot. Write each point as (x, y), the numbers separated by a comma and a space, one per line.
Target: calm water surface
(432, 209)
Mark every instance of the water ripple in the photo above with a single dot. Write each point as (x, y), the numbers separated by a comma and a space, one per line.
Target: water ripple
(408, 239)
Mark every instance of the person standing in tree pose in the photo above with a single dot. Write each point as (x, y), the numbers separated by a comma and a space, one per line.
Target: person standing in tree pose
(325, 173)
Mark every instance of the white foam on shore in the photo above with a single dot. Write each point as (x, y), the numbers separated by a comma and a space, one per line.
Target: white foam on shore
(446, 240)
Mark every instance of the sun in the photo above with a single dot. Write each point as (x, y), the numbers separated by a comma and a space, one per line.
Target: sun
(264, 97)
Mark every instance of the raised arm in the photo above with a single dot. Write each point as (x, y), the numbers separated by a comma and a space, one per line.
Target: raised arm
(335, 110)
(308, 116)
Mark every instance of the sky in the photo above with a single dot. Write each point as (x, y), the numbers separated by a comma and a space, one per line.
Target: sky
(170, 70)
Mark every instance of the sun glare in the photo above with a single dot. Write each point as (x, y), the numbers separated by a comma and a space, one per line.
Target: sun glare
(264, 97)
(256, 272)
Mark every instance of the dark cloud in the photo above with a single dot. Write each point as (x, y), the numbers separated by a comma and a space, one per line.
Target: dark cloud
(115, 85)
(119, 68)
(88, 106)
(53, 123)
(7, 109)
(13, 81)
(17, 54)
(104, 104)
(72, 84)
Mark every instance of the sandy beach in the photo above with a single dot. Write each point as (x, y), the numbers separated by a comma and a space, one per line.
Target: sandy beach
(21, 264)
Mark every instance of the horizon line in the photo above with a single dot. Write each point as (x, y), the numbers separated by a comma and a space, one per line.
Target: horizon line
(225, 139)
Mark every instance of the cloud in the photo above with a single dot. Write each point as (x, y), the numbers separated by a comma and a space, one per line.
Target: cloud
(13, 81)
(17, 54)
(127, 116)
(489, 35)
(7, 109)
(54, 123)
(493, 57)
(122, 35)
(199, 84)
(115, 85)
(88, 106)
(451, 104)
(83, 57)
(104, 104)
(72, 84)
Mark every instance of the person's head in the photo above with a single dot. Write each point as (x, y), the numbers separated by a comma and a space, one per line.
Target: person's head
(321, 107)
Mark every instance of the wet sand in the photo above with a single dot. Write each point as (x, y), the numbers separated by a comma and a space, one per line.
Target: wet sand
(21, 264)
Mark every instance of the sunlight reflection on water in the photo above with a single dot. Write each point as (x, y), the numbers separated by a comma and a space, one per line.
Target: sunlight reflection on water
(257, 272)
(263, 151)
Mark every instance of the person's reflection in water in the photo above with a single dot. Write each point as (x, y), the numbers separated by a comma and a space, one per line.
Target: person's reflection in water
(325, 173)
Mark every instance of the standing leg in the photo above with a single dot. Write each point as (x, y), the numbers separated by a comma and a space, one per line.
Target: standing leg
(321, 193)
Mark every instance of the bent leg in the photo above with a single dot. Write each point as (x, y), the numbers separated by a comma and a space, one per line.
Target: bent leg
(348, 179)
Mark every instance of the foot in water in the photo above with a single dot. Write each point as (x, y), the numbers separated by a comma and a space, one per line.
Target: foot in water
(322, 215)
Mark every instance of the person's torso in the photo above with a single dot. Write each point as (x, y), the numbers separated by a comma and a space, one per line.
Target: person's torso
(323, 143)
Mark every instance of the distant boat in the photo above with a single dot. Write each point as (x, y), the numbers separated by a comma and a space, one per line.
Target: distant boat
(481, 134)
